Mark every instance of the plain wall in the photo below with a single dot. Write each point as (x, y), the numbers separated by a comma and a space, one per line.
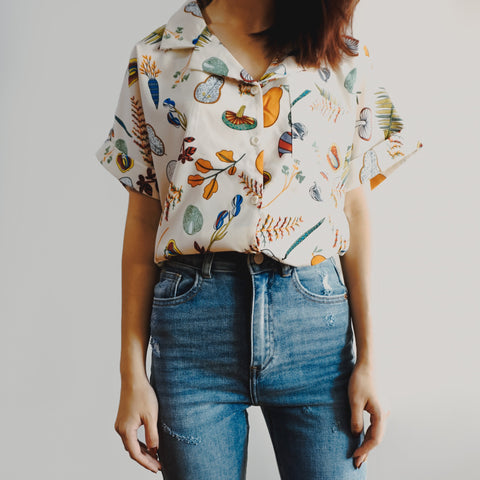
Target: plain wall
(62, 218)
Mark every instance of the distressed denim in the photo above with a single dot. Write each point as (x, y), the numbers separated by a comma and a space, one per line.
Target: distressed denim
(230, 330)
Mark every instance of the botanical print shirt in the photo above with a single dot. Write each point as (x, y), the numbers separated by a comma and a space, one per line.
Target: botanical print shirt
(244, 165)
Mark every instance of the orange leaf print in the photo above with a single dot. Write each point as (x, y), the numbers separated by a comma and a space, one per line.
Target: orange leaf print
(195, 180)
(225, 156)
(203, 166)
(210, 188)
(232, 170)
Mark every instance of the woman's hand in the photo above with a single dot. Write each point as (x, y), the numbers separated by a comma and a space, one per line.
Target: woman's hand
(139, 405)
(362, 396)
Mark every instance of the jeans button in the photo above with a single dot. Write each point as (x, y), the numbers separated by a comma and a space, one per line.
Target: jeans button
(258, 258)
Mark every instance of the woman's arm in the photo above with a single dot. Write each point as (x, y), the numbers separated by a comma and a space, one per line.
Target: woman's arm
(139, 275)
(138, 402)
(356, 272)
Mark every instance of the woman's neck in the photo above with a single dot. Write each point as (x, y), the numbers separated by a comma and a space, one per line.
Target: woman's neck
(247, 16)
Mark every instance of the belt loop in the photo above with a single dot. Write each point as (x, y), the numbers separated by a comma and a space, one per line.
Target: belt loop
(207, 265)
(286, 270)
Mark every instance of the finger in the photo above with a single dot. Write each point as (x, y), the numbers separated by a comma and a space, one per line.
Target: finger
(356, 417)
(374, 432)
(150, 453)
(151, 434)
(360, 460)
(133, 447)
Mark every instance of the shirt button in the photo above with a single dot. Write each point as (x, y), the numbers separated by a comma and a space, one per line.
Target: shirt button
(255, 89)
(258, 258)
(254, 140)
(254, 199)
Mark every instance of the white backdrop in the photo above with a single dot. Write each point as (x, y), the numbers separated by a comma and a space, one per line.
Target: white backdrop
(62, 219)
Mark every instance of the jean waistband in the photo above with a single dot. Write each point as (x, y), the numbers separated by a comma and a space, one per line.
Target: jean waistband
(231, 261)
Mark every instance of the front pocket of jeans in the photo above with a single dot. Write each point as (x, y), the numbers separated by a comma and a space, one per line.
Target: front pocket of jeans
(176, 285)
(321, 285)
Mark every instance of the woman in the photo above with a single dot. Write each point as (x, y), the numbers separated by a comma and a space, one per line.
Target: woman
(233, 135)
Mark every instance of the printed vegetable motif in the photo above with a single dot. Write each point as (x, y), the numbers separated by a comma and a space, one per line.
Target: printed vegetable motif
(370, 169)
(285, 143)
(271, 106)
(205, 166)
(192, 220)
(174, 116)
(171, 249)
(156, 144)
(215, 66)
(150, 69)
(208, 91)
(333, 157)
(237, 120)
(220, 226)
(364, 124)
(317, 257)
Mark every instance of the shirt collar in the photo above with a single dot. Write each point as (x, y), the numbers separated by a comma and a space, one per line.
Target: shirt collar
(187, 29)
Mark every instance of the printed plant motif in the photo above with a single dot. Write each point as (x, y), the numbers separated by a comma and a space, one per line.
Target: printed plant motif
(289, 176)
(221, 223)
(150, 69)
(177, 34)
(251, 186)
(270, 229)
(300, 239)
(140, 130)
(145, 182)
(388, 118)
(327, 105)
(174, 116)
(173, 197)
(186, 153)
(204, 166)
(155, 36)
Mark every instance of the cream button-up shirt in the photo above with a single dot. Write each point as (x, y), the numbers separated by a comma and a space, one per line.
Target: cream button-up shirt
(244, 165)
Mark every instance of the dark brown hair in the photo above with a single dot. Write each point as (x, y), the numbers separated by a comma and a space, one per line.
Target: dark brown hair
(313, 31)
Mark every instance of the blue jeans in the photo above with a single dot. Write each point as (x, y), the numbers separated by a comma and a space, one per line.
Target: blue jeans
(230, 330)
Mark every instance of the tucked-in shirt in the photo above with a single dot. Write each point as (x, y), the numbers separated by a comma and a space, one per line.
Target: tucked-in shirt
(244, 165)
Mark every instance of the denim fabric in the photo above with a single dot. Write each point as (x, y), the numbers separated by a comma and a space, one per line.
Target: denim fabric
(230, 330)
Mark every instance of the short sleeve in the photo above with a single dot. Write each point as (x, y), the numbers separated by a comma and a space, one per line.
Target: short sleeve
(126, 152)
(382, 141)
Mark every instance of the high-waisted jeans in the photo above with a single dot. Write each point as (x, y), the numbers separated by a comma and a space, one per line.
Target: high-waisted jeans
(230, 330)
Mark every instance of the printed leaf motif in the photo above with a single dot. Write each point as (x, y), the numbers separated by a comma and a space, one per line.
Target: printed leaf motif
(140, 130)
(225, 156)
(270, 229)
(387, 115)
(210, 188)
(203, 165)
(195, 180)
(251, 186)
